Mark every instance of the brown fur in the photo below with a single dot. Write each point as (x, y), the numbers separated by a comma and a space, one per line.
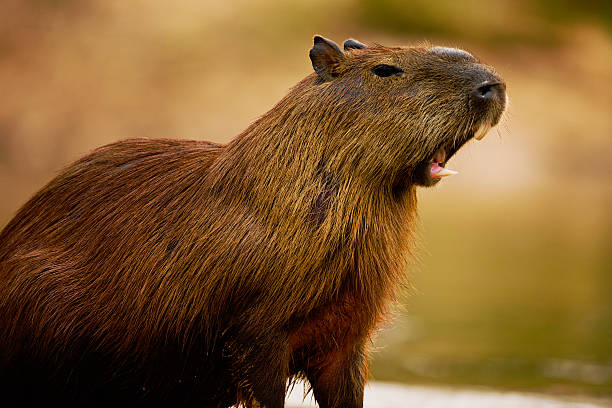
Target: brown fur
(199, 273)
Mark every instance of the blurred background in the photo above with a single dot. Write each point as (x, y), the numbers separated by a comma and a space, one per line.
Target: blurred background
(512, 287)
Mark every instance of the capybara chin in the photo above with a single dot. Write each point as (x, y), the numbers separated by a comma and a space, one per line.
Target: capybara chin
(194, 273)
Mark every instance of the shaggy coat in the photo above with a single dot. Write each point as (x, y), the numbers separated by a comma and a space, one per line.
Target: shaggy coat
(196, 273)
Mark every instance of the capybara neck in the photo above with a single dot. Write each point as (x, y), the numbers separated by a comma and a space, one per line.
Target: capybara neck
(318, 128)
(311, 159)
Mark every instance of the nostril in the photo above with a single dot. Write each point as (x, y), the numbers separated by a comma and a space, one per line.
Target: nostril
(484, 91)
(487, 90)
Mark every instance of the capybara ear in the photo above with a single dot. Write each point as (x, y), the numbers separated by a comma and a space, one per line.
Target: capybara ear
(326, 58)
(353, 45)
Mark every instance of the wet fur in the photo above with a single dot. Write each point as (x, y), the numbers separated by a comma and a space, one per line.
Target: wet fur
(206, 274)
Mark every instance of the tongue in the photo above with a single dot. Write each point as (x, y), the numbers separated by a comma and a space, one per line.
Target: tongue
(437, 171)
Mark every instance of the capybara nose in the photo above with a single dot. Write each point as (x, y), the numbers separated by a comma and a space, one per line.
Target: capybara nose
(489, 91)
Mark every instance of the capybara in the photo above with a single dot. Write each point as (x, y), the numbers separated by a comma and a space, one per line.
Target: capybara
(195, 273)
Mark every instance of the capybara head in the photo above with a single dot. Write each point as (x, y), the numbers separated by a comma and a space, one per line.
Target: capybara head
(408, 109)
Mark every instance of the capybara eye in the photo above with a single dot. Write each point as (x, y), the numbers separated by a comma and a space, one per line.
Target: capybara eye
(384, 70)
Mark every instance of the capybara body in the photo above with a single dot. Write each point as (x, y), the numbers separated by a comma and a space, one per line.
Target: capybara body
(194, 273)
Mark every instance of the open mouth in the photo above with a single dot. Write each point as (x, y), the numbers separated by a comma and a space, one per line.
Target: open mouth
(436, 168)
(430, 172)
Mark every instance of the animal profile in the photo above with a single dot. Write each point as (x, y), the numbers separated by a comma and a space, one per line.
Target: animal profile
(196, 273)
